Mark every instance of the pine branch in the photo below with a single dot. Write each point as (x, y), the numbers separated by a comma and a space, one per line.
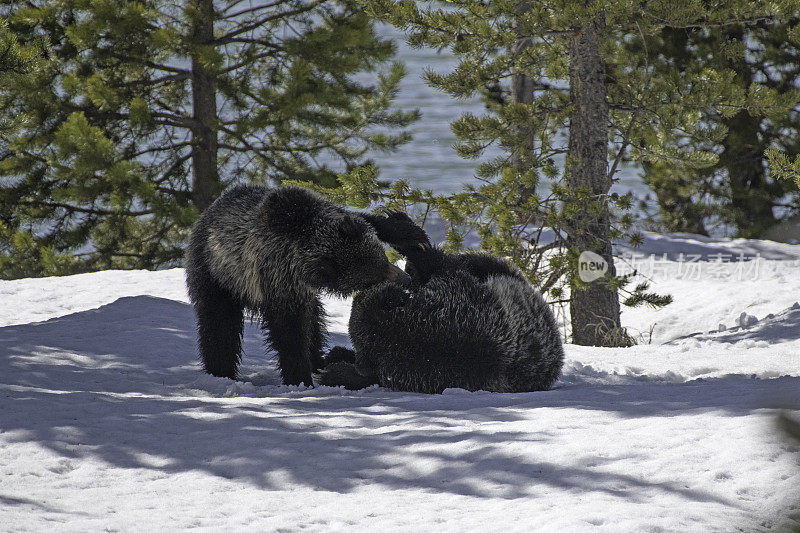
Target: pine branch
(172, 119)
(253, 59)
(627, 136)
(722, 24)
(224, 39)
(151, 64)
(253, 9)
(153, 82)
(158, 148)
(93, 210)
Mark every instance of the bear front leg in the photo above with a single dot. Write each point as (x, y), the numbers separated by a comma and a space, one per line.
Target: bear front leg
(293, 330)
(220, 322)
(396, 229)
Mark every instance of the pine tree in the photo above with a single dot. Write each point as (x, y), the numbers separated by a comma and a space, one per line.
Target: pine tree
(736, 190)
(17, 253)
(147, 110)
(16, 58)
(569, 73)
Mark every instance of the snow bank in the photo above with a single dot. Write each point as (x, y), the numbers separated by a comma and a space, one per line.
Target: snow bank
(106, 422)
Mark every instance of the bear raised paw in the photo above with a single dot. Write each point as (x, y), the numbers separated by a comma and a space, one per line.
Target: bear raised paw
(470, 321)
(272, 252)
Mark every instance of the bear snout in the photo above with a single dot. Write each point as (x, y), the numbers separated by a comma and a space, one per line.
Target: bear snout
(398, 275)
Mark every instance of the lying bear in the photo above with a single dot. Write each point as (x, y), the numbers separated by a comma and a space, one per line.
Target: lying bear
(470, 321)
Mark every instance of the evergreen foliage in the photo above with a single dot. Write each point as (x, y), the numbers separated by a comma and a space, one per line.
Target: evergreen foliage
(762, 111)
(783, 167)
(144, 111)
(550, 67)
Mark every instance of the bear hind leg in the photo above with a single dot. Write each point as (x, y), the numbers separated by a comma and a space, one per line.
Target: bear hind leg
(317, 333)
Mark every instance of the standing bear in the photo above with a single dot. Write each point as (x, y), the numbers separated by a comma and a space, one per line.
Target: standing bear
(272, 251)
(470, 321)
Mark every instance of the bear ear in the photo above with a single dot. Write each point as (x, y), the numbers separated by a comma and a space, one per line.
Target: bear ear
(352, 228)
(290, 209)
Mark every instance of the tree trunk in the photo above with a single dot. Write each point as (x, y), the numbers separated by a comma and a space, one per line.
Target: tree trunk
(594, 309)
(743, 158)
(522, 88)
(205, 174)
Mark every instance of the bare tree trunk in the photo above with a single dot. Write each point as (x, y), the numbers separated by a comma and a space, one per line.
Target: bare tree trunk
(522, 87)
(205, 174)
(595, 309)
(522, 92)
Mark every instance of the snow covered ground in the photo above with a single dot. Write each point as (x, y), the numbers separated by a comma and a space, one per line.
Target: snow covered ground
(106, 423)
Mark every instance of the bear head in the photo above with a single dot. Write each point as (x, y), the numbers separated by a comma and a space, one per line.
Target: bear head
(331, 249)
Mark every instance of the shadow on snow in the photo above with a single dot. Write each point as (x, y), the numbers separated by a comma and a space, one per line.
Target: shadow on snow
(120, 383)
(783, 327)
